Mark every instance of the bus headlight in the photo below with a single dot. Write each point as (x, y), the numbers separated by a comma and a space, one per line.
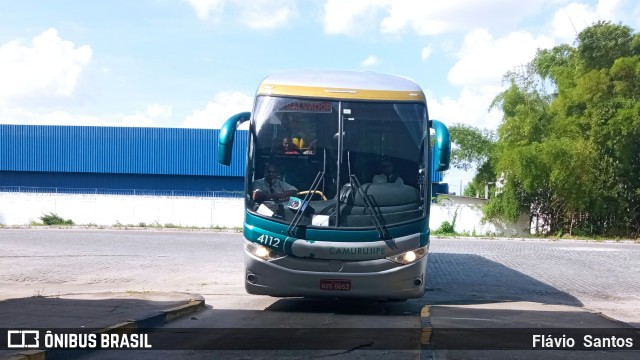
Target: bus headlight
(409, 256)
(261, 251)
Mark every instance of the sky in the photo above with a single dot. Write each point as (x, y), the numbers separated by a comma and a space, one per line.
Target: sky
(194, 63)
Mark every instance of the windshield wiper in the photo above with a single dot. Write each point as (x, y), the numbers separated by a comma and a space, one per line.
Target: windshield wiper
(383, 233)
(376, 218)
(293, 226)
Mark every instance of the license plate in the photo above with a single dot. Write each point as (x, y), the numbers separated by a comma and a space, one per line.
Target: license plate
(335, 284)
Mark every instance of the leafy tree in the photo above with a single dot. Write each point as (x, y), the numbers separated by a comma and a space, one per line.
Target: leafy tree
(473, 148)
(568, 144)
(601, 44)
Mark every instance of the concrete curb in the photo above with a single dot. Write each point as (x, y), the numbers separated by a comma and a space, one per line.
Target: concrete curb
(147, 321)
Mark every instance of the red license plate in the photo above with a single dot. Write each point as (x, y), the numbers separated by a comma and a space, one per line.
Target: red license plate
(335, 284)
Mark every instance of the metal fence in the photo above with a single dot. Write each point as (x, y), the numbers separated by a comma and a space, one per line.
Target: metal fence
(137, 192)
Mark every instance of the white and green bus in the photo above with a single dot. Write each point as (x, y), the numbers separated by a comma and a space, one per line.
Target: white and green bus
(338, 185)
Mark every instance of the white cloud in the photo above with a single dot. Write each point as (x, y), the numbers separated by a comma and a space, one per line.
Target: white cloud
(48, 68)
(154, 116)
(266, 14)
(13, 115)
(418, 15)
(471, 107)
(426, 52)
(207, 9)
(371, 60)
(224, 105)
(255, 14)
(433, 18)
(484, 60)
(159, 112)
(216, 112)
(352, 17)
(570, 20)
(356, 17)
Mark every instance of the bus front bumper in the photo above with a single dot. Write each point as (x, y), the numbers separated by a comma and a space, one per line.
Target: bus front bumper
(370, 279)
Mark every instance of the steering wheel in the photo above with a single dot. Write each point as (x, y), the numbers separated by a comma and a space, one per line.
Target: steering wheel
(315, 192)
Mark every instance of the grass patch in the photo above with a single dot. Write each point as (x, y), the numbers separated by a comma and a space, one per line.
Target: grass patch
(154, 225)
(54, 219)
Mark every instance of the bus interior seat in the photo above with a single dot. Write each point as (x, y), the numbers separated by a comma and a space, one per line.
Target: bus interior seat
(387, 198)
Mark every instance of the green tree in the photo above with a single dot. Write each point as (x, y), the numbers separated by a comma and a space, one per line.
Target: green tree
(568, 144)
(601, 44)
(473, 147)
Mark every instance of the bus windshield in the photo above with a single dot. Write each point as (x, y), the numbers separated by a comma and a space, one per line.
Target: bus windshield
(367, 157)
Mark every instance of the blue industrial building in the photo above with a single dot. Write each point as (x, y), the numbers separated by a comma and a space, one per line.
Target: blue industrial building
(120, 160)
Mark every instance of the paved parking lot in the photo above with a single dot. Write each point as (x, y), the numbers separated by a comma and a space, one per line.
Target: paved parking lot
(602, 277)
(471, 283)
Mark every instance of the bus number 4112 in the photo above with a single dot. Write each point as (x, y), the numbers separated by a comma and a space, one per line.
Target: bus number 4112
(269, 240)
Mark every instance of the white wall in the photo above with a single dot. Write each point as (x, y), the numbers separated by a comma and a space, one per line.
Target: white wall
(22, 208)
(469, 218)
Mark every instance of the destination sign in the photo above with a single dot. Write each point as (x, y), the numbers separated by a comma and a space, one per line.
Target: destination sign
(309, 107)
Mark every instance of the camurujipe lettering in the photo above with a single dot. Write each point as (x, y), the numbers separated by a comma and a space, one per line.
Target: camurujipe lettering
(356, 251)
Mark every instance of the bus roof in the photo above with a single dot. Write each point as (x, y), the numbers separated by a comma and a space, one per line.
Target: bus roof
(341, 85)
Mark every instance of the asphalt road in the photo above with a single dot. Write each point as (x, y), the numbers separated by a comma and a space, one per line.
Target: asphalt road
(541, 281)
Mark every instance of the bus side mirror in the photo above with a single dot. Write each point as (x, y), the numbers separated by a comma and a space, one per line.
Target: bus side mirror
(442, 147)
(227, 135)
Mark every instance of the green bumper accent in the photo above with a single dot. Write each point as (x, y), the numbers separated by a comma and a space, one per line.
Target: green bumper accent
(274, 235)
